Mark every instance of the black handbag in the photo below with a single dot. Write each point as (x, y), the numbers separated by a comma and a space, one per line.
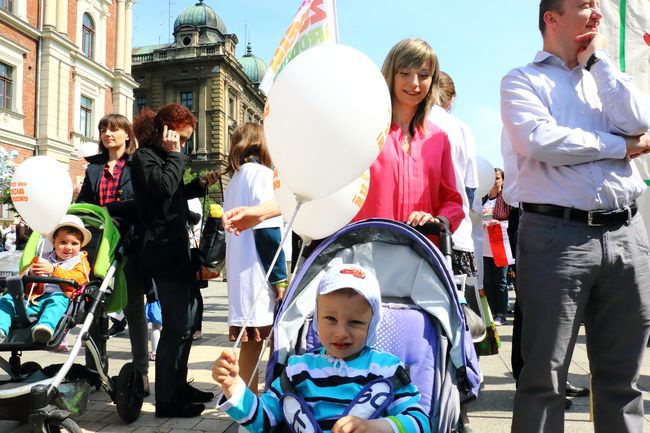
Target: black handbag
(212, 247)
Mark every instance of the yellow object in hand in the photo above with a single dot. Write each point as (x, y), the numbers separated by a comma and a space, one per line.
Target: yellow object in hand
(216, 211)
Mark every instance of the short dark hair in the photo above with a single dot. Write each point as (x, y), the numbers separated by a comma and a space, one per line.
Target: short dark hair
(548, 5)
(120, 122)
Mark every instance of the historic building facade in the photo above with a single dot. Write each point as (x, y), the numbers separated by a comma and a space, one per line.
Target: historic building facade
(200, 70)
(63, 65)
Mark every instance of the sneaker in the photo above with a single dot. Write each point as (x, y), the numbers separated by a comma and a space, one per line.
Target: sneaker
(42, 334)
(197, 335)
(194, 395)
(3, 336)
(62, 348)
(117, 328)
(500, 320)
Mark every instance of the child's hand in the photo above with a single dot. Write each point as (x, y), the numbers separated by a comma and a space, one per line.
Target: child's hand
(353, 424)
(41, 267)
(225, 371)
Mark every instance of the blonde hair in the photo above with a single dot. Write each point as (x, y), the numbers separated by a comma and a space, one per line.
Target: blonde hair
(413, 53)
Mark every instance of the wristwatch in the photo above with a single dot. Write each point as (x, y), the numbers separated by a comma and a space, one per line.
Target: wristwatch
(595, 57)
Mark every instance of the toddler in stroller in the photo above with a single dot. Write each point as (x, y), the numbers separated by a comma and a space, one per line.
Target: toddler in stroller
(371, 386)
(46, 397)
(46, 300)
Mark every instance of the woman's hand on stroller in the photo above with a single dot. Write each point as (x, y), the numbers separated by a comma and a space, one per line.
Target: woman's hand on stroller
(420, 218)
(353, 424)
(41, 267)
(225, 371)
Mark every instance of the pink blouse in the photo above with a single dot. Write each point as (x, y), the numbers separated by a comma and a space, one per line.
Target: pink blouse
(421, 180)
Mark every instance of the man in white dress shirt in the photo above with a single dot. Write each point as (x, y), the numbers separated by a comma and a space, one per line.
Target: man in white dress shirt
(574, 122)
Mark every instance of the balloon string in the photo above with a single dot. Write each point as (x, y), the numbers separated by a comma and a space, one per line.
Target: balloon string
(41, 245)
(268, 274)
(299, 260)
(259, 360)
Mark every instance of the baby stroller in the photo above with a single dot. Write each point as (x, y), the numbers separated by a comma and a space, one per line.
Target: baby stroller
(46, 397)
(423, 322)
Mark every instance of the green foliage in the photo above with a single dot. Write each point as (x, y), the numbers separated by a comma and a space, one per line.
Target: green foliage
(189, 175)
(7, 168)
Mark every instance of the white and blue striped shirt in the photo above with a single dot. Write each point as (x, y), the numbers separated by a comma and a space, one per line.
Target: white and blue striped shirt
(328, 385)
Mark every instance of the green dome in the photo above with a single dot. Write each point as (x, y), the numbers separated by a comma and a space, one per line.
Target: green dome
(200, 15)
(254, 67)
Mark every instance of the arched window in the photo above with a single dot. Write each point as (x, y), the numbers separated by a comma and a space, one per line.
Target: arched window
(88, 36)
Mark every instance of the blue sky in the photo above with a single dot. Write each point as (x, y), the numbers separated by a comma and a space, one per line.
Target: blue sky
(477, 42)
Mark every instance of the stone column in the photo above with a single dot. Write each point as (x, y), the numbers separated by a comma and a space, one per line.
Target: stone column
(62, 16)
(50, 13)
(128, 43)
(119, 33)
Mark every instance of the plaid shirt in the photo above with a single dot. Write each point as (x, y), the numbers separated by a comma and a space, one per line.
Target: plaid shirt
(108, 184)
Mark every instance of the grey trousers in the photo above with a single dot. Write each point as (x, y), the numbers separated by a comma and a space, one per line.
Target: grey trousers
(567, 273)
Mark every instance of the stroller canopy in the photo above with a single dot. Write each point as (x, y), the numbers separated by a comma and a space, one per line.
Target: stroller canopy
(406, 264)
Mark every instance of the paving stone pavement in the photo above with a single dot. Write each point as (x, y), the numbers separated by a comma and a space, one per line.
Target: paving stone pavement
(490, 414)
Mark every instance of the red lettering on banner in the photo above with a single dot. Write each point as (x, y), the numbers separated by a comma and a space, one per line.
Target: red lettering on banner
(317, 13)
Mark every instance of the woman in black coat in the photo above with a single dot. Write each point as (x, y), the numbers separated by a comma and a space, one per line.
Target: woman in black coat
(108, 183)
(161, 198)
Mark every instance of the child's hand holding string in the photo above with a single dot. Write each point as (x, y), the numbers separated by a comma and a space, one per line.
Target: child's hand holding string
(225, 371)
(41, 267)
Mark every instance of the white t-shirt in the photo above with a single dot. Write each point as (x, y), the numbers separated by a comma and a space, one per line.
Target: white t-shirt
(463, 156)
(250, 186)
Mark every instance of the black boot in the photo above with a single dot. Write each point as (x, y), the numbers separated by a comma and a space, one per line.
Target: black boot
(194, 395)
(574, 391)
(178, 409)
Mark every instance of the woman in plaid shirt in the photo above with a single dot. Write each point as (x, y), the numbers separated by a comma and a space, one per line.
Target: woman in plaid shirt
(108, 183)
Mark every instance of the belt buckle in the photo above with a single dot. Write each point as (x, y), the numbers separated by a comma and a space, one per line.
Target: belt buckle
(590, 219)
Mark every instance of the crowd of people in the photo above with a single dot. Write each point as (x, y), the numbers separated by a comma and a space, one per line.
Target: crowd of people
(573, 123)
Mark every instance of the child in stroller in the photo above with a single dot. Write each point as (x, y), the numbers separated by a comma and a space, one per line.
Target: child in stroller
(46, 300)
(351, 386)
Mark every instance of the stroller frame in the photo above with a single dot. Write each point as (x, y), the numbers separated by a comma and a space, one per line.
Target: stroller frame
(43, 397)
(454, 361)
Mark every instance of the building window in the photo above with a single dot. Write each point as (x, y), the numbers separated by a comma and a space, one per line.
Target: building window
(7, 5)
(6, 84)
(231, 107)
(140, 103)
(88, 36)
(86, 116)
(187, 100)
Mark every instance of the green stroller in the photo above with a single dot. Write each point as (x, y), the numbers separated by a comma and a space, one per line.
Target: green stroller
(47, 397)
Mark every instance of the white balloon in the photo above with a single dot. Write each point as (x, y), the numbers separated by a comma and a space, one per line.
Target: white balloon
(486, 176)
(41, 191)
(89, 148)
(326, 119)
(317, 219)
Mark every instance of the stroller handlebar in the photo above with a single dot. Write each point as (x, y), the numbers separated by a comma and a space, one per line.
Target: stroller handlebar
(438, 229)
(39, 279)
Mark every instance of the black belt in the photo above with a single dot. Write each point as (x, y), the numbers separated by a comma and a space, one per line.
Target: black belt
(594, 218)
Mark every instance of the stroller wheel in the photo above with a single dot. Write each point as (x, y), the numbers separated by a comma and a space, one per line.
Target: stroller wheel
(61, 425)
(29, 367)
(129, 393)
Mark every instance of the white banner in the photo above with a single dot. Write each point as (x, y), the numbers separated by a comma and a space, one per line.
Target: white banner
(626, 24)
(313, 24)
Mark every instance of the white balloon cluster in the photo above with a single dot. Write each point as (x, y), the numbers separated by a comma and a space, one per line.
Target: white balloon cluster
(326, 120)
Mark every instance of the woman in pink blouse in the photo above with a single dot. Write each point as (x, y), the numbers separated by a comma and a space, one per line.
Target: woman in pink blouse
(413, 179)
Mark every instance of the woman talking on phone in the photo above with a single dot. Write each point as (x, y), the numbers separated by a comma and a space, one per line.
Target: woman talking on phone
(161, 197)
